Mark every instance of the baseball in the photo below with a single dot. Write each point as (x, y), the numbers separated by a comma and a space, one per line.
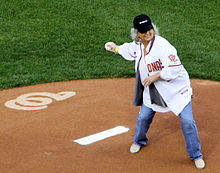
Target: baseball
(108, 46)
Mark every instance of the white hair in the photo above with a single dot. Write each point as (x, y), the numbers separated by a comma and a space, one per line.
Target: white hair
(135, 37)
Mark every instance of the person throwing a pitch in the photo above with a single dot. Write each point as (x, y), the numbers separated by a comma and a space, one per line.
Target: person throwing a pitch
(162, 84)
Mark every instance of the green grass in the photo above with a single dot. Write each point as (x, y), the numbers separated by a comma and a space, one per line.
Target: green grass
(52, 40)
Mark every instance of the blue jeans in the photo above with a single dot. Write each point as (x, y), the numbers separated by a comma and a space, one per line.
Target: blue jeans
(189, 129)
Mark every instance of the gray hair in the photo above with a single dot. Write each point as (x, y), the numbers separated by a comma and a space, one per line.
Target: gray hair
(135, 37)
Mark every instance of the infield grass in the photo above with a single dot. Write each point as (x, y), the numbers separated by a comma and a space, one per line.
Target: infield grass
(53, 40)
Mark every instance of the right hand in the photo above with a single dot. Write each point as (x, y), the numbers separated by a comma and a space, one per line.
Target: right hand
(110, 46)
(151, 79)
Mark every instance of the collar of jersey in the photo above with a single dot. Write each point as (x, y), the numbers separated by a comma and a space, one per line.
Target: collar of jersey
(150, 45)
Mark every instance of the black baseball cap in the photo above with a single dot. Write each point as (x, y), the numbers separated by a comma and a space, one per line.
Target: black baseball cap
(142, 23)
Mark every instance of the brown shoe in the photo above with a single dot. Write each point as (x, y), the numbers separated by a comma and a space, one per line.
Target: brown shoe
(135, 148)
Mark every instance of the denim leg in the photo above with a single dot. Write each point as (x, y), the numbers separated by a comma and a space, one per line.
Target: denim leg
(143, 122)
(190, 133)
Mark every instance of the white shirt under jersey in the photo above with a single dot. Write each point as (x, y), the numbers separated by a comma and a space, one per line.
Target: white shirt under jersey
(174, 85)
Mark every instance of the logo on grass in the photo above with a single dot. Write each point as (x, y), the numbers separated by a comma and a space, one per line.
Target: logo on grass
(37, 100)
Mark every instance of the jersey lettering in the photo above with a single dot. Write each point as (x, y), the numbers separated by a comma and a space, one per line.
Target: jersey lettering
(155, 66)
(149, 68)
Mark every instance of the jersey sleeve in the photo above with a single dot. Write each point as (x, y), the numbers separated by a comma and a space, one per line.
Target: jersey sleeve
(128, 51)
(171, 63)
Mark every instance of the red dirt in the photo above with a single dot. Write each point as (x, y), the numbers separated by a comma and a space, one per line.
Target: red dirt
(41, 141)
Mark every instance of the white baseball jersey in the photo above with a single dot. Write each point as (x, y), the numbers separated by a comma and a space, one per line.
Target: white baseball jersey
(174, 85)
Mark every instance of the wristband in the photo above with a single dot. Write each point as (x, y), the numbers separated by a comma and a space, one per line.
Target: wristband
(116, 49)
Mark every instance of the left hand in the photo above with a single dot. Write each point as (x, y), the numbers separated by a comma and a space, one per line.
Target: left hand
(150, 79)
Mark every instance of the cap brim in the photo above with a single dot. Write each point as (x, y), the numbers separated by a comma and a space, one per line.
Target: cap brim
(145, 28)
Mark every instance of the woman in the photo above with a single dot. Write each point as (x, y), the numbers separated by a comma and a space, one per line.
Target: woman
(162, 84)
